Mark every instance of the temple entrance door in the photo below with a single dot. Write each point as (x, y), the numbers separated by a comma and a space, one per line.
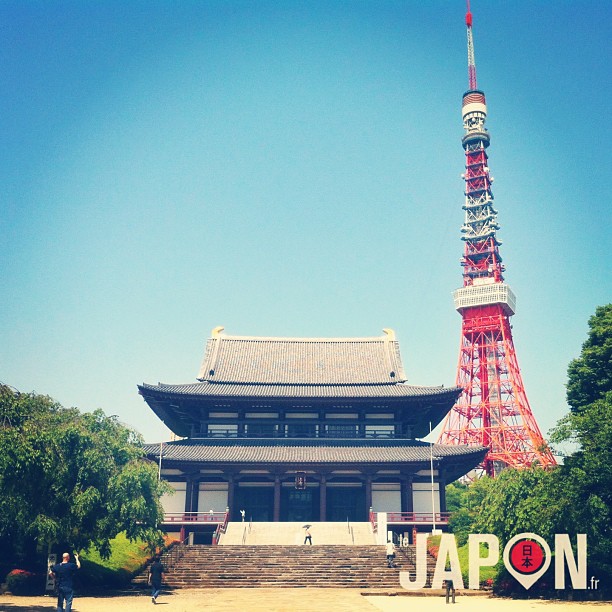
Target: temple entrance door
(257, 502)
(346, 503)
(299, 505)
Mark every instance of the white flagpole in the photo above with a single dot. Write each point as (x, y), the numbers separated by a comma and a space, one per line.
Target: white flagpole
(433, 499)
(161, 448)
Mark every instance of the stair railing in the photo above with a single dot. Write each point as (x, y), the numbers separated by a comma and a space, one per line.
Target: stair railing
(221, 529)
(244, 534)
(373, 521)
(352, 535)
(175, 554)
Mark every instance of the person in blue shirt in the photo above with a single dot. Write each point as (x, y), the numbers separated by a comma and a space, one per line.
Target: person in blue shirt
(63, 573)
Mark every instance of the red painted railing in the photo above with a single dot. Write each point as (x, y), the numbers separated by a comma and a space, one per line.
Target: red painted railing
(373, 521)
(196, 517)
(221, 518)
(418, 517)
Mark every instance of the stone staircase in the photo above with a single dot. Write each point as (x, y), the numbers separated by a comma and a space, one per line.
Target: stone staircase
(257, 566)
(279, 534)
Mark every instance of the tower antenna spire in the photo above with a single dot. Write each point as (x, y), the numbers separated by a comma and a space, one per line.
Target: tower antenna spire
(470, 48)
(493, 409)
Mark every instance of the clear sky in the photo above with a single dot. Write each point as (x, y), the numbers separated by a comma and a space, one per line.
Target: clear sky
(289, 168)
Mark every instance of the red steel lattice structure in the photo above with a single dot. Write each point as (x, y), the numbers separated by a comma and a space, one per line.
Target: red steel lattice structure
(493, 409)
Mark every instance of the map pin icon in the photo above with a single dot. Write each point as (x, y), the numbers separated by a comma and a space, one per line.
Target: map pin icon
(527, 557)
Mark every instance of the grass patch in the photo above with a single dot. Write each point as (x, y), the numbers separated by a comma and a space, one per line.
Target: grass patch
(486, 573)
(127, 559)
(124, 554)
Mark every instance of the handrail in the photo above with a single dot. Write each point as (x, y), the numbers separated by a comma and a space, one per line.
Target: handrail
(418, 517)
(223, 526)
(373, 521)
(196, 517)
(244, 535)
(221, 529)
(352, 535)
(175, 553)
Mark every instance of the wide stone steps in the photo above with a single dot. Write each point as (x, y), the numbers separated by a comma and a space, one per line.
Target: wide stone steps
(286, 566)
(283, 533)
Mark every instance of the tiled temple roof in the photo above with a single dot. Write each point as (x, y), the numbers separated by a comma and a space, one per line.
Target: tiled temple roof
(209, 389)
(302, 361)
(317, 370)
(306, 452)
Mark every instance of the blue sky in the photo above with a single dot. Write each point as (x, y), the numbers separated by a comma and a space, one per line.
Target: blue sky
(289, 169)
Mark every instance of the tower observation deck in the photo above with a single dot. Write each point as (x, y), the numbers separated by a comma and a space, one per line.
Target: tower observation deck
(493, 409)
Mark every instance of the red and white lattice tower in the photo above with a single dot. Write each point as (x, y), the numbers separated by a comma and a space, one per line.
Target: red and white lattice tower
(493, 409)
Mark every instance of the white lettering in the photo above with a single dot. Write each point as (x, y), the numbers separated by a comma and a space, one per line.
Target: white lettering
(527, 580)
(421, 566)
(577, 571)
(448, 551)
(476, 561)
(518, 566)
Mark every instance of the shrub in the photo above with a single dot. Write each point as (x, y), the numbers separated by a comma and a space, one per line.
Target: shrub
(22, 582)
(433, 546)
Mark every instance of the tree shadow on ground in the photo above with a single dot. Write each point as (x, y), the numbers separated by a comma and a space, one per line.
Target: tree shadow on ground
(11, 607)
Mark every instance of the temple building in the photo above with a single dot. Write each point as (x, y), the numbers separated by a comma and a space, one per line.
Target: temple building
(305, 429)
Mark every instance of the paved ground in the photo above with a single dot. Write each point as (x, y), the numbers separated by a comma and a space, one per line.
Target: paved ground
(291, 600)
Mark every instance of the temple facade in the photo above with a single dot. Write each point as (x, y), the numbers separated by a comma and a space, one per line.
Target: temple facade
(304, 429)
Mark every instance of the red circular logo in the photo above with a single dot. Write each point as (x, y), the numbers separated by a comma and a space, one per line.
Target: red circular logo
(527, 556)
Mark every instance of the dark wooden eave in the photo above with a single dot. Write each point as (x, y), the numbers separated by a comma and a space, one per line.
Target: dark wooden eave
(453, 461)
(179, 406)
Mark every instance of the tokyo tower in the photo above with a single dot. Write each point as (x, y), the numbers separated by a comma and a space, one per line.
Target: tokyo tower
(493, 410)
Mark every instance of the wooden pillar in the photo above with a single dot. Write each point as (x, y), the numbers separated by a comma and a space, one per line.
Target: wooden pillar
(323, 498)
(406, 485)
(409, 495)
(368, 494)
(277, 498)
(230, 494)
(195, 494)
(442, 485)
(189, 485)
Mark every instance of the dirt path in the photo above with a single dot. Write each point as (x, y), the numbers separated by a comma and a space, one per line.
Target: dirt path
(289, 600)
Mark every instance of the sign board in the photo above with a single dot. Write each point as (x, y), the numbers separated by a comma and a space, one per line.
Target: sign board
(51, 561)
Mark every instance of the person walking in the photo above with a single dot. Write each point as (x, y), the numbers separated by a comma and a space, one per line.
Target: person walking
(63, 573)
(156, 576)
(307, 536)
(390, 553)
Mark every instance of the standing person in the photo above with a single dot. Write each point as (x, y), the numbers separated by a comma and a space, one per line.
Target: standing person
(156, 575)
(63, 573)
(308, 536)
(449, 585)
(390, 553)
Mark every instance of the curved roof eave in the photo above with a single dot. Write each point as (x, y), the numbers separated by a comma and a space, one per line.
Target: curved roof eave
(201, 390)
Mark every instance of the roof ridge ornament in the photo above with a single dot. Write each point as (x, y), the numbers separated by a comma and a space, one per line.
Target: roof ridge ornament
(389, 333)
(216, 332)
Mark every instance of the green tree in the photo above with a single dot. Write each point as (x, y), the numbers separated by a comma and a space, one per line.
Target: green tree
(575, 497)
(465, 503)
(519, 501)
(70, 478)
(590, 376)
(587, 473)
